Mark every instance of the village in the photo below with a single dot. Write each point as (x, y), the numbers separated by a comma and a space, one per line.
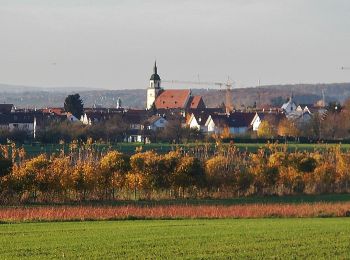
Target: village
(175, 129)
(164, 106)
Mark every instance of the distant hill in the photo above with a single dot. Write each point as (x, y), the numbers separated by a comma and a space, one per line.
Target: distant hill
(31, 97)
(275, 94)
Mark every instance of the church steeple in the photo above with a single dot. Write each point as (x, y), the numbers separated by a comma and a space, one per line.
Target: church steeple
(154, 87)
(155, 77)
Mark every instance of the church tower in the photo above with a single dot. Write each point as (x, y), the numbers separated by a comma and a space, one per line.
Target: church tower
(154, 87)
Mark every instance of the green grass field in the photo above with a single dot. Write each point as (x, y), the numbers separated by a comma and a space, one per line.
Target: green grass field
(129, 148)
(192, 239)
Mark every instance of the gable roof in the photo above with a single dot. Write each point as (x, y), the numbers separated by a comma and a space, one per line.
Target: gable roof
(236, 119)
(220, 120)
(200, 117)
(175, 98)
(151, 120)
(6, 108)
(290, 102)
(196, 102)
(241, 119)
(17, 118)
(98, 116)
(135, 116)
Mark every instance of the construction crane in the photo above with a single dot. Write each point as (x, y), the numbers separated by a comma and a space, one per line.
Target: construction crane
(228, 85)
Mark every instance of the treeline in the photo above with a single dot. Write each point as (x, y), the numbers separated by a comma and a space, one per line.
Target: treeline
(115, 130)
(84, 174)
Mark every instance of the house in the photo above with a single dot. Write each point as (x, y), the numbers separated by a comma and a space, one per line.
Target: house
(236, 123)
(6, 108)
(135, 119)
(21, 121)
(72, 118)
(156, 122)
(198, 120)
(241, 122)
(256, 121)
(289, 106)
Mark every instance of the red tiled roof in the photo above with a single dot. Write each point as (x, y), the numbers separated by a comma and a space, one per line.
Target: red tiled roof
(196, 102)
(173, 99)
(54, 110)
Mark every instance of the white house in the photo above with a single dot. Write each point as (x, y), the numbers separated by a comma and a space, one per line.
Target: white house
(237, 122)
(198, 122)
(156, 122)
(256, 122)
(72, 118)
(22, 121)
(289, 106)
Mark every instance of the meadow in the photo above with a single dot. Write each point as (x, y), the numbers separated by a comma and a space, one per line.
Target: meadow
(317, 238)
(130, 148)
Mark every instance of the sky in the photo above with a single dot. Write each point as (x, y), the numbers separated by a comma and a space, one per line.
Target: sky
(112, 44)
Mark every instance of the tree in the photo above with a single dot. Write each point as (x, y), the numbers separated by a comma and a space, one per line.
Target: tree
(5, 166)
(74, 105)
(113, 169)
(173, 130)
(148, 169)
(34, 176)
(218, 172)
(84, 176)
(266, 130)
(189, 172)
(334, 107)
(287, 128)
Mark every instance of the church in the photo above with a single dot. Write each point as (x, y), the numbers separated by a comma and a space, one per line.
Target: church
(172, 98)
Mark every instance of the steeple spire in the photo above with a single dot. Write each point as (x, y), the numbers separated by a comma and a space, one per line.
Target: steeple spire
(155, 67)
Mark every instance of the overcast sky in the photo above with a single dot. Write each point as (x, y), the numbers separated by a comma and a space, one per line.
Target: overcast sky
(113, 43)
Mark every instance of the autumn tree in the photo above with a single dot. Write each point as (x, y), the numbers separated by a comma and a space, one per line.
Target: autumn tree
(287, 128)
(219, 172)
(34, 176)
(146, 171)
(188, 173)
(266, 130)
(84, 177)
(113, 169)
(60, 168)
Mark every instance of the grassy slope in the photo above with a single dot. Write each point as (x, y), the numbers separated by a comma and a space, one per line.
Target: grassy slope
(268, 238)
